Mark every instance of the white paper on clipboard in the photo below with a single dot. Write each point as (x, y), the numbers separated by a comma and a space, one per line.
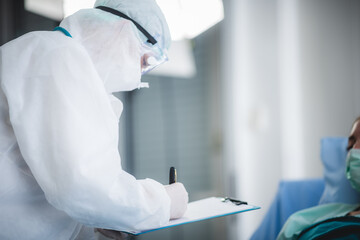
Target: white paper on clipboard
(203, 209)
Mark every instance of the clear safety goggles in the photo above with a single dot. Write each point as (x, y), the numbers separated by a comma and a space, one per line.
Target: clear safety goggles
(152, 55)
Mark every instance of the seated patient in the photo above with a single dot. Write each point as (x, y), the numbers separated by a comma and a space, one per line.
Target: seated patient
(318, 221)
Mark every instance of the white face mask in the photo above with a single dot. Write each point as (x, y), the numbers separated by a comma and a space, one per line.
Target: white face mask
(113, 47)
(120, 66)
(123, 70)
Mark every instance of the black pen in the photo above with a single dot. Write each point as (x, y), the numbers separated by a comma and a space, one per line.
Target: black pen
(172, 175)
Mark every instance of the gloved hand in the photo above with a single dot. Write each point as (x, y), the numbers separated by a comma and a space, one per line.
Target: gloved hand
(179, 199)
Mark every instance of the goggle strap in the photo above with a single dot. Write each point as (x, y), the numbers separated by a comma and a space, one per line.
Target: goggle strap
(150, 38)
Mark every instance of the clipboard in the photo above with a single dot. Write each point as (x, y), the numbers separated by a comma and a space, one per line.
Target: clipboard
(204, 209)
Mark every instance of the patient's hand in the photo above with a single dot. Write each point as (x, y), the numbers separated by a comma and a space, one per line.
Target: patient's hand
(355, 212)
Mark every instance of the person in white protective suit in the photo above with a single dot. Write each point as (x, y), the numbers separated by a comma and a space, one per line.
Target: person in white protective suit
(60, 168)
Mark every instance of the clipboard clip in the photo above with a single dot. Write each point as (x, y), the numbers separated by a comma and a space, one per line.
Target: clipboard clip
(234, 201)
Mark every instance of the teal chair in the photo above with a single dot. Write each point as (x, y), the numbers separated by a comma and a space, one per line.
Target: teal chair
(293, 196)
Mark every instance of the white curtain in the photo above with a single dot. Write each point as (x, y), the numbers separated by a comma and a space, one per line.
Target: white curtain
(290, 76)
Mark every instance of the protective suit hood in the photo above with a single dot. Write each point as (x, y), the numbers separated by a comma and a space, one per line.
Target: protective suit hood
(114, 43)
(147, 13)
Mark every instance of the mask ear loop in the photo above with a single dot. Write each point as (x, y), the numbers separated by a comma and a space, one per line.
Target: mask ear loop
(150, 38)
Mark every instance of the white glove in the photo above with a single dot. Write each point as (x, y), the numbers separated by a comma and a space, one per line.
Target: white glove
(179, 199)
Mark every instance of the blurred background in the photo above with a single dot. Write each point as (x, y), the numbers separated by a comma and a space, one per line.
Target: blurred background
(251, 88)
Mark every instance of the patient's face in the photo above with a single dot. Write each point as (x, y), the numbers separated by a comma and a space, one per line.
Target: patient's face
(354, 138)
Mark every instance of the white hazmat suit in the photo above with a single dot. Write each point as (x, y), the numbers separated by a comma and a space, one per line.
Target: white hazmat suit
(59, 160)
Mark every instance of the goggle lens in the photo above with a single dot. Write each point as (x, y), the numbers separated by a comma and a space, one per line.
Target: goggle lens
(152, 58)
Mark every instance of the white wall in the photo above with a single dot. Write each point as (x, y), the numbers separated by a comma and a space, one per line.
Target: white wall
(290, 76)
(330, 63)
(252, 102)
